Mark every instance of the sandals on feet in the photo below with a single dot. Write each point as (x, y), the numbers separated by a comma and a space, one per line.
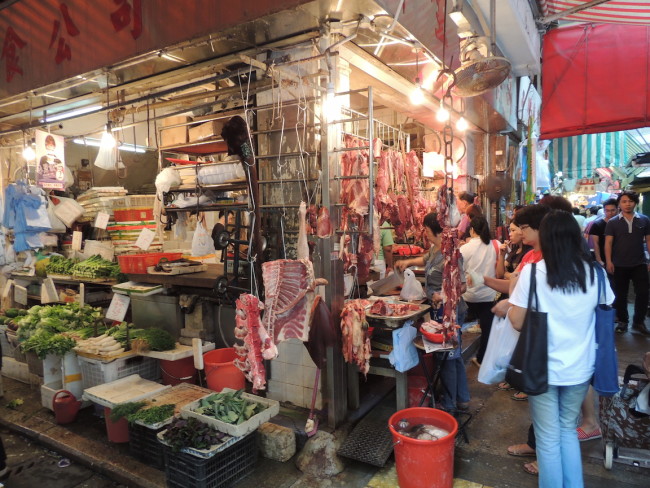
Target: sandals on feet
(583, 436)
(504, 386)
(520, 396)
(531, 468)
(521, 450)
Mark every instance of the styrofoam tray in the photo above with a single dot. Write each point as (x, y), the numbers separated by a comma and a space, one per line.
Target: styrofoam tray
(181, 351)
(129, 389)
(272, 409)
(204, 453)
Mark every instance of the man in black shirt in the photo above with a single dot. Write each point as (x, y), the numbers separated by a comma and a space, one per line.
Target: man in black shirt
(626, 260)
(597, 229)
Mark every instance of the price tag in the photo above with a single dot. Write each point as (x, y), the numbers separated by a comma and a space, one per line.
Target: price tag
(20, 294)
(102, 220)
(145, 239)
(7, 291)
(118, 307)
(76, 240)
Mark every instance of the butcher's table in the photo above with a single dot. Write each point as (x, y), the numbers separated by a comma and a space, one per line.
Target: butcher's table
(379, 363)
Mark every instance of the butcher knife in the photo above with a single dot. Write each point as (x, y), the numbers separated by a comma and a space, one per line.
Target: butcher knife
(383, 286)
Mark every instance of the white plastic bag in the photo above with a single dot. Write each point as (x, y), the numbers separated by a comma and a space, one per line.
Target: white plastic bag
(202, 243)
(67, 209)
(58, 227)
(501, 344)
(404, 355)
(412, 288)
(167, 178)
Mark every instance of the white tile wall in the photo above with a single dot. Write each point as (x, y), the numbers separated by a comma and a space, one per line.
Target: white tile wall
(292, 374)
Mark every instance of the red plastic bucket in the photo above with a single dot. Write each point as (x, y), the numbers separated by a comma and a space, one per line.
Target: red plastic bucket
(118, 432)
(422, 463)
(179, 371)
(220, 370)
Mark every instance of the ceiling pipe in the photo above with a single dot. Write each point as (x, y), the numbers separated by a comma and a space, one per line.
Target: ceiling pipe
(380, 47)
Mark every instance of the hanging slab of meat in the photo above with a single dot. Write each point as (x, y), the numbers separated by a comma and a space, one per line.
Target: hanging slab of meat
(356, 338)
(323, 224)
(312, 219)
(258, 345)
(355, 193)
(405, 214)
(364, 256)
(323, 333)
(289, 298)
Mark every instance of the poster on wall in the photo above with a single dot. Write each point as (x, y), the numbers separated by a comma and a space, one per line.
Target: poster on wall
(50, 161)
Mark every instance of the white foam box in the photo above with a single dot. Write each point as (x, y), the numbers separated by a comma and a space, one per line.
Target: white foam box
(19, 371)
(130, 389)
(50, 389)
(271, 410)
(174, 135)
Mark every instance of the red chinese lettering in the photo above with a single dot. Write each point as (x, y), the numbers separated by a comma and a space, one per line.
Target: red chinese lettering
(121, 18)
(10, 53)
(63, 50)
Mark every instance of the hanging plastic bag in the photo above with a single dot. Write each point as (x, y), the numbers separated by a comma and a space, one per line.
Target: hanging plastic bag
(67, 209)
(404, 355)
(202, 243)
(412, 288)
(501, 344)
(167, 178)
(58, 227)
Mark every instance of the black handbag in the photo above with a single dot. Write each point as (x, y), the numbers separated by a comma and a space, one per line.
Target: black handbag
(528, 368)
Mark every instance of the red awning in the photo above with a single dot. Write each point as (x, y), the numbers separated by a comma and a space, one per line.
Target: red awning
(619, 12)
(595, 79)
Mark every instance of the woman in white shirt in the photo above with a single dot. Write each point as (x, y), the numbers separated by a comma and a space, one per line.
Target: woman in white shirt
(567, 289)
(479, 258)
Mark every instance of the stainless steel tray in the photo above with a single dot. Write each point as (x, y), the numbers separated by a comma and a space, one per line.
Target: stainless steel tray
(396, 322)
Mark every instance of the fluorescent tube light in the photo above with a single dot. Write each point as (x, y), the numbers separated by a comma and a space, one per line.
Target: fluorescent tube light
(71, 113)
(97, 143)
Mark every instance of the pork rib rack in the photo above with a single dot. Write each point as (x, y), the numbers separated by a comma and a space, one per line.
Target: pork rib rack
(258, 345)
(356, 337)
(289, 298)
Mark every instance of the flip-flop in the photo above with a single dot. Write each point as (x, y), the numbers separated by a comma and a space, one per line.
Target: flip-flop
(504, 386)
(583, 436)
(521, 450)
(518, 398)
(531, 468)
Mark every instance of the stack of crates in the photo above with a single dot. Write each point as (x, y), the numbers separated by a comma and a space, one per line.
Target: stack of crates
(96, 372)
(223, 469)
(131, 214)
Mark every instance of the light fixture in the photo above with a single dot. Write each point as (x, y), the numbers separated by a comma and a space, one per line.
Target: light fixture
(28, 152)
(432, 162)
(417, 95)
(108, 140)
(443, 114)
(332, 107)
(72, 113)
(461, 124)
(85, 141)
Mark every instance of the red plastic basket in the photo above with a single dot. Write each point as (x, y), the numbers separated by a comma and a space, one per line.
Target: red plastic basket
(138, 263)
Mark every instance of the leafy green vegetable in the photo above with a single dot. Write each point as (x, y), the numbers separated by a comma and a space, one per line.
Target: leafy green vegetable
(158, 339)
(125, 409)
(152, 415)
(45, 342)
(191, 433)
(60, 265)
(15, 312)
(229, 407)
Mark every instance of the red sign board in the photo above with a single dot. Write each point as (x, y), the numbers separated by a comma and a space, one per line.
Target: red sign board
(45, 41)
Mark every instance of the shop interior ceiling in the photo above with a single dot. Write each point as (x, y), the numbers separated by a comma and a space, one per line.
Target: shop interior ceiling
(180, 75)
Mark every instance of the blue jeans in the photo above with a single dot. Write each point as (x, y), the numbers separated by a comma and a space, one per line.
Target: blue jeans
(555, 417)
(454, 383)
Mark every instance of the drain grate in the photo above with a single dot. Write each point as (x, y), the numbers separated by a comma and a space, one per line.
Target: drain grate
(370, 441)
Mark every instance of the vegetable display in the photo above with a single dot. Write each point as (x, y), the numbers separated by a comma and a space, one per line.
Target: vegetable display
(228, 407)
(96, 267)
(152, 415)
(60, 265)
(125, 409)
(191, 433)
(103, 345)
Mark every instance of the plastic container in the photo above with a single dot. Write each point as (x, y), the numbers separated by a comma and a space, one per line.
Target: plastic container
(138, 263)
(221, 173)
(422, 463)
(223, 469)
(220, 370)
(95, 372)
(179, 371)
(118, 432)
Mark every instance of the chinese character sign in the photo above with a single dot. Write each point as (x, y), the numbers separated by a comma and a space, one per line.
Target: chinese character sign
(127, 14)
(63, 50)
(50, 161)
(10, 47)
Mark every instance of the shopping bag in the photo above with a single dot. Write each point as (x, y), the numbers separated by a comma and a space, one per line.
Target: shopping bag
(412, 288)
(605, 379)
(202, 243)
(528, 368)
(501, 344)
(404, 355)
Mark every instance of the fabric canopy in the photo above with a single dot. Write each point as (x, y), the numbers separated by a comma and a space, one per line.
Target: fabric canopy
(595, 79)
(579, 156)
(620, 12)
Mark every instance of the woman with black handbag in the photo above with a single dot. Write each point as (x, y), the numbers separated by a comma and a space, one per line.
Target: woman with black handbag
(566, 289)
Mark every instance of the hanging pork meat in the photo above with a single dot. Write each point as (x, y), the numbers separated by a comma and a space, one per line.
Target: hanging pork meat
(356, 337)
(258, 344)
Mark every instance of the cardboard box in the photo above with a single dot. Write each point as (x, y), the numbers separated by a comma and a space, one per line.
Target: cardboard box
(174, 135)
(207, 130)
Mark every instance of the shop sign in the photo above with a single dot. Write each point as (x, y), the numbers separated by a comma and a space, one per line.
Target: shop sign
(50, 162)
(46, 41)
(503, 99)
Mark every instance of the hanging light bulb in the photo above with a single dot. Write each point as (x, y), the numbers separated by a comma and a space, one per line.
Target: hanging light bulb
(443, 113)
(28, 152)
(108, 140)
(417, 95)
(462, 124)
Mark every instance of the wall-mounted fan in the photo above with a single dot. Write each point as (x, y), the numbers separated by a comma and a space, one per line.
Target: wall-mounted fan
(498, 186)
